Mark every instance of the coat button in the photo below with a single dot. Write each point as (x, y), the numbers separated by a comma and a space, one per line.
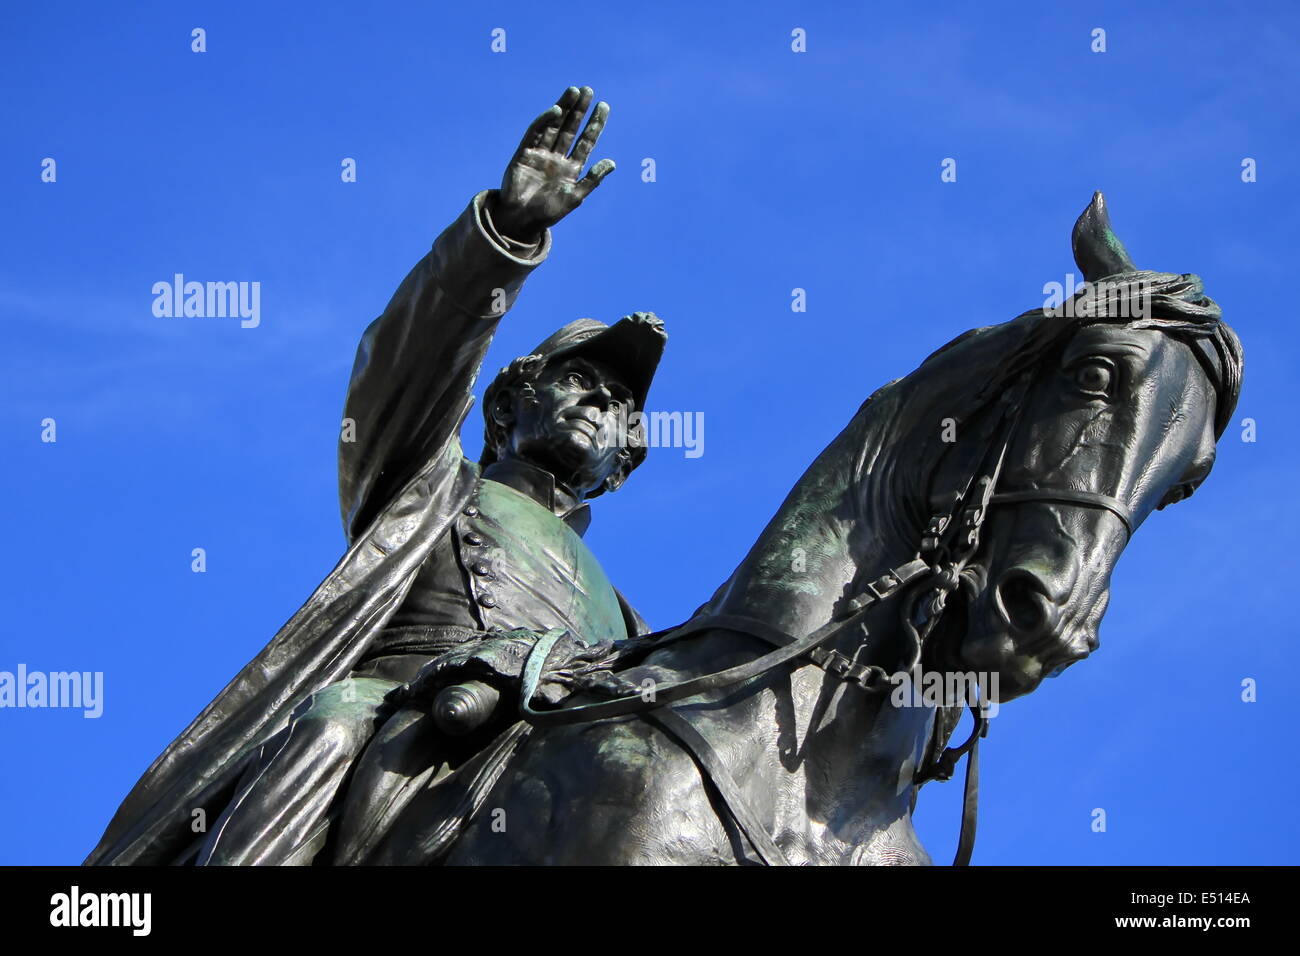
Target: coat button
(481, 568)
(474, 538)
(487, 600)
(470, 512)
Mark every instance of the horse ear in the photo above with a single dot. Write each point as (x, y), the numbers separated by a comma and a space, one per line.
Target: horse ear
(1097, 250)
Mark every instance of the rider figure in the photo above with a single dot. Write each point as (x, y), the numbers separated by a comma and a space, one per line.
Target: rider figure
(443, 551)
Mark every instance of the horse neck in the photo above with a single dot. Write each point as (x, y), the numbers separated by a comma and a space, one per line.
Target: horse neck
(853, 515)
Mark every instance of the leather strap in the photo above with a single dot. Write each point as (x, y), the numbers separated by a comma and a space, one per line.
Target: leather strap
(969, 806)
(1089, 499)
(715, 771)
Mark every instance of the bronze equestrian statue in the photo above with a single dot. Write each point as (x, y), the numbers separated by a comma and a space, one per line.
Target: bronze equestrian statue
(965, 522)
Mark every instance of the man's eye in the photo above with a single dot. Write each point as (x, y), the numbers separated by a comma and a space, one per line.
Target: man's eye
(576, 380)
(1094, 377)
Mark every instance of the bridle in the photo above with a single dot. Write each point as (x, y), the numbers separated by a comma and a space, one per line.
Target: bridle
(948, 545)
(1083, 499)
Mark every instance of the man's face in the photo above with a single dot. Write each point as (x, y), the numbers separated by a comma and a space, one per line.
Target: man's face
(570, 425)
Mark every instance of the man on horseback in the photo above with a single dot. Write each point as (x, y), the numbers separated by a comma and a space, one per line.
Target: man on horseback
(444, 553)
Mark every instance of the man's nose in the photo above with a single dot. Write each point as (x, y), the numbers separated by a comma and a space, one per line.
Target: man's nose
(599, 397)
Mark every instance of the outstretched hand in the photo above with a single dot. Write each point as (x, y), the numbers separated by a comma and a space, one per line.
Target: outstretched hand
(541, 184)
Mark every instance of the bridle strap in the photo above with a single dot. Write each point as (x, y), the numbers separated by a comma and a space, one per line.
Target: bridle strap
(714, 770)
(969, 805)
(1089, 499)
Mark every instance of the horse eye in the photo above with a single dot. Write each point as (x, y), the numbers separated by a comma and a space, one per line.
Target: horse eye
(1094, 377)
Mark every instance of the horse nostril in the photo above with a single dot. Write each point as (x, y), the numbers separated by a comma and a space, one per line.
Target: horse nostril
(1025, 602)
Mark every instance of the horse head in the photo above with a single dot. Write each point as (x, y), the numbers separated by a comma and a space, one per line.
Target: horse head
(1117, 399)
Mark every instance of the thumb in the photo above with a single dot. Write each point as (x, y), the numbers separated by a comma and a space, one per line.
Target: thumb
(594, 177)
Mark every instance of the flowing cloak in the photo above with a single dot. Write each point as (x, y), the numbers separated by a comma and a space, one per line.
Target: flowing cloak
(401, 481)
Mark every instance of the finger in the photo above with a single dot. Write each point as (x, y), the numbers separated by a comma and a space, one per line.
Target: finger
(598, 172)
(538, 127)
(564, 103)
(587, 141)
(573, 120)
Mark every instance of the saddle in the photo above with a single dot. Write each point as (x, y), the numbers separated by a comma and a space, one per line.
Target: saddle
(450, 733)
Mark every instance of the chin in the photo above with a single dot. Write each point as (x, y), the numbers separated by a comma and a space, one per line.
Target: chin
(575, 452)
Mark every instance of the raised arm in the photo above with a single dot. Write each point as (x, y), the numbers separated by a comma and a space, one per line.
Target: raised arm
(417, 362)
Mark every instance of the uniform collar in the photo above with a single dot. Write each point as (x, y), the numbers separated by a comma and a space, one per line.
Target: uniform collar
(539, 484)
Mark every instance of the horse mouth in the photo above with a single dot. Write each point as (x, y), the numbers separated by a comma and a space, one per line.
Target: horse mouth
(1023, 663)
(1011, 629)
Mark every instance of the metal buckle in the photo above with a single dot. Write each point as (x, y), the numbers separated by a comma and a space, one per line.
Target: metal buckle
(934, 532)
(883, 585)
(838, 664)
(850, 671)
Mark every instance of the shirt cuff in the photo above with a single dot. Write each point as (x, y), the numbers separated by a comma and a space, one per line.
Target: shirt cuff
(520, 250)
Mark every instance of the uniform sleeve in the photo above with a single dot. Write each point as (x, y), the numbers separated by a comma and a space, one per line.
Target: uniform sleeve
(416, 364)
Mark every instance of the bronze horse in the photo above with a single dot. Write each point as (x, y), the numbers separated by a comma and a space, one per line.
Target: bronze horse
(968, 519)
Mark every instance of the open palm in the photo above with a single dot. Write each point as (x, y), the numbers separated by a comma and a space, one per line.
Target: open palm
(544, 181)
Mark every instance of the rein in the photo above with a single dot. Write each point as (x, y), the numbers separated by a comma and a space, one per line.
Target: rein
(949, 543)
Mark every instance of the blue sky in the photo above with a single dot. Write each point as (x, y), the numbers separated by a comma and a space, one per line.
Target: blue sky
(775, 170)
